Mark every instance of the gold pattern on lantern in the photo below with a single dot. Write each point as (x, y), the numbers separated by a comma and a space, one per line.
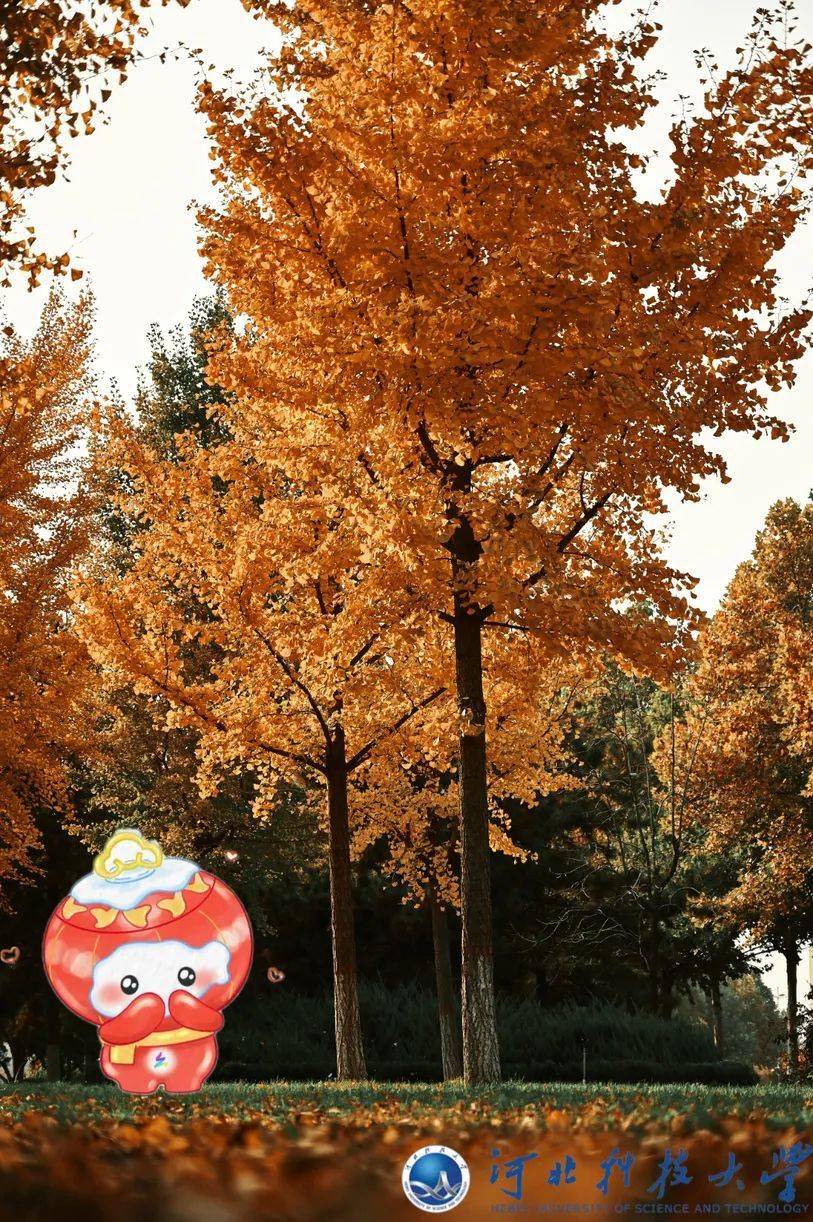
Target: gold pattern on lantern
(175, 905)
(138, 916)
(70, 908)
(197, 884)
(104, 916)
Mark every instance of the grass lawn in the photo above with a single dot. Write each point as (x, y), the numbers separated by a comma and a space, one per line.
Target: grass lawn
(324, 1151)
(544, 1105)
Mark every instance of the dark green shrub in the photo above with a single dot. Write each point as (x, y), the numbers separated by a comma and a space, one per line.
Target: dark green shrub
(291, 1036)
(714, 1073)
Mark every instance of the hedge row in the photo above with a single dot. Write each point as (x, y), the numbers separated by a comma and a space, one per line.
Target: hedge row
(716, 1073)
(286, 1035)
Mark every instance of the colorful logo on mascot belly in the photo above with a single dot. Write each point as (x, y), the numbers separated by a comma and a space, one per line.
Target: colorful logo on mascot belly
(151, 949)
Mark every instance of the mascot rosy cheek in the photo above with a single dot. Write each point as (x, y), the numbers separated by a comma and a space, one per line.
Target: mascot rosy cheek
(151, 949)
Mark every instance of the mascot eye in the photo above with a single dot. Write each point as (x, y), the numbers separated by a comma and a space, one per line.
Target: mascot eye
(186, 977)
(129, 984)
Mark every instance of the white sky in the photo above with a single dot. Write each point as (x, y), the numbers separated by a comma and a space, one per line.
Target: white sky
(132, 183)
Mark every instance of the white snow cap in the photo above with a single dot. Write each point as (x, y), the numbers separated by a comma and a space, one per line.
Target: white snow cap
(162, 968)
(128, 869)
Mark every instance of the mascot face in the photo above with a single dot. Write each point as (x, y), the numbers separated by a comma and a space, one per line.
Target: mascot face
(136, 968)
(147, 941)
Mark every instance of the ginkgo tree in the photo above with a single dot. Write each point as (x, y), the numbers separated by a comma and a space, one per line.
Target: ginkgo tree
(753, 763)
(788, 544)
(45, 687)
(456, 286)
(254, 612)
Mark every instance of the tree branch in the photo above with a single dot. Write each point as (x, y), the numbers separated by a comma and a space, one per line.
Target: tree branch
(365, 751)
(293, 678)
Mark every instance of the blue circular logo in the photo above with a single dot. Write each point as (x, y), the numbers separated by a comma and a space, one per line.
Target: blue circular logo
(435, 1178)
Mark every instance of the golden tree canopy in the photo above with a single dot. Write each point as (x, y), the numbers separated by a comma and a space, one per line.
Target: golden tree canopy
(409, 795)
(256, 608)
(43, 530)
(455, 284)
(753, 763)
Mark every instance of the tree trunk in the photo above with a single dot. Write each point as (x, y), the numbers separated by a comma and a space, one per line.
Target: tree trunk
(447, 1011)
(349, 1047)
(53, 1029)
(53, 1063)
(792, 1021)
(654, 966)
(717, 1016)
(481, 1057)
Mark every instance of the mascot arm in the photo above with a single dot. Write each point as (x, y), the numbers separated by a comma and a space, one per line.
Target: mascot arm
(191, 1012)
(140, 1018)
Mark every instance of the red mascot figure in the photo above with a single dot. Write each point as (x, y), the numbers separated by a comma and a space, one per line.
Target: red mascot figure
(151, 949)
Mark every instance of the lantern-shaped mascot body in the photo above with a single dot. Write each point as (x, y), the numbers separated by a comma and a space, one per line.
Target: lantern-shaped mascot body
(151, 949)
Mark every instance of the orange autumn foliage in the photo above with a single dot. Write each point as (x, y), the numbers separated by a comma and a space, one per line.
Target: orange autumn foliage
(43, 529)
(301, 641)
(286, 1152)
(409, 796)
(753, 764)
(455, 287)
(791, 555)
